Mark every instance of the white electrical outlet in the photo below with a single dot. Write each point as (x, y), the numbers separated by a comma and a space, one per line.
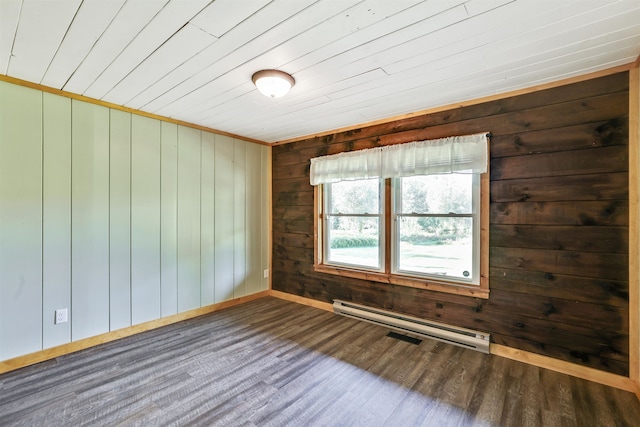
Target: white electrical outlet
(62, 316)
(266, 273)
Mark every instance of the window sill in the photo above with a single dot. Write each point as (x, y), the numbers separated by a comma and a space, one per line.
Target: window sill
(412, 282)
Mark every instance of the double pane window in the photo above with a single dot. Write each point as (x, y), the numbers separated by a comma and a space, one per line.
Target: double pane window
(433, 219)
(353, 223)
(412, 214)
(436, 228)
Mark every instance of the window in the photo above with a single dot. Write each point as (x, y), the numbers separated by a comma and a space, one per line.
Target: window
(436, 227)
(353, 224)
(425, 227)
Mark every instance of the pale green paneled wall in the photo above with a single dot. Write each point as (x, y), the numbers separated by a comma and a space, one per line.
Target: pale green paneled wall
(253, 213)
(119, 218)
(145, 219)
(265, 206)
(20, 220)
(169, 219)
(224, 212)
(89, 220)
(56, 216)
(207, 220)
(239, 215)
(189, 164)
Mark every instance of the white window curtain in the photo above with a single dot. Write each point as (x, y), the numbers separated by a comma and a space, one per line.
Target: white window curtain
(461, 154)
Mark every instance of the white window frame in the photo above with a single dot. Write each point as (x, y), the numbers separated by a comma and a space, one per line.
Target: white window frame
(381, 229)
(474, 279)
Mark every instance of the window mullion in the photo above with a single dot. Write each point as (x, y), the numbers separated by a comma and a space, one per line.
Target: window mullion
(387, 225)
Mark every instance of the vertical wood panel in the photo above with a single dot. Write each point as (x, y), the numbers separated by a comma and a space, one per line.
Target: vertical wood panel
(169, 218)
(188, 218)
(120, 220)
(224, 204)
(207, 221)
(56, 217)
(253, 236)
(239, 218)
(634, 228)
(266, 230)
(145, 219)
(89, 220)
(20, 220)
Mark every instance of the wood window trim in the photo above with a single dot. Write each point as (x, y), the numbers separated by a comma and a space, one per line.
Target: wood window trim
(478, 291)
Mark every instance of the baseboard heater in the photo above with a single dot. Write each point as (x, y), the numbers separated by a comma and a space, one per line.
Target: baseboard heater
(462, 337)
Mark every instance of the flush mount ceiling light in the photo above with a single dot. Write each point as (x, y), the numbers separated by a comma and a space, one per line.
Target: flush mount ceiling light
(273, 83)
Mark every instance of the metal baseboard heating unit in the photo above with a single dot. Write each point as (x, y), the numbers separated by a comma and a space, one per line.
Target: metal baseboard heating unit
(462, 337)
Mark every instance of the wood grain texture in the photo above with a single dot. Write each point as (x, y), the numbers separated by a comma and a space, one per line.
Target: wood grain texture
(274, 362)
(530, 91)
(551, 189)
(548, 112)
(634, 227)
(590, 374)
(564, 237)
(87, 343)
(594, 375)
(559, 221)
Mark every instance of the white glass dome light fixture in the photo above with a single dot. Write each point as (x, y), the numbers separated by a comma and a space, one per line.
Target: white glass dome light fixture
(273, 83)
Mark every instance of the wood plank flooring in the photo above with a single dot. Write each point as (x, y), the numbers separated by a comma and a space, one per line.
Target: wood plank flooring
(276, 363)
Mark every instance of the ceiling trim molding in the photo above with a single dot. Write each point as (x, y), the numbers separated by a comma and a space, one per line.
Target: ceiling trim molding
(75, 96)
(536, 88)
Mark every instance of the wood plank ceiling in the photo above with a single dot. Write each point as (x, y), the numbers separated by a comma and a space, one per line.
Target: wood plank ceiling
(354, 61)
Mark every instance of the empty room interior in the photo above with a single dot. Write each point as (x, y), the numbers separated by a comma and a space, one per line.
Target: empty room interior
(319, 212)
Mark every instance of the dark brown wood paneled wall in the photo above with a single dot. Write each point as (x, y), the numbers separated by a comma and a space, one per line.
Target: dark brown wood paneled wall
(559, 222)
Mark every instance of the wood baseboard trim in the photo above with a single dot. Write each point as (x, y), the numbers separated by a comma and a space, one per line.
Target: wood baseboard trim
(590, 374)
(301, 300)
(72, 347)
(584, 372)
(546, 362)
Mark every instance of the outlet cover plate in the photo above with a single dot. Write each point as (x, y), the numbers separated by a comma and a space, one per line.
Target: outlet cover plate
(62, 316)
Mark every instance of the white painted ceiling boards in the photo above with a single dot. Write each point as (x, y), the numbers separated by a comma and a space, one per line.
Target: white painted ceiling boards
(354, 61)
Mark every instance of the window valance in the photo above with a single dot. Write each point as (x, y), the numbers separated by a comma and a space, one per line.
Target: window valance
(445, 155)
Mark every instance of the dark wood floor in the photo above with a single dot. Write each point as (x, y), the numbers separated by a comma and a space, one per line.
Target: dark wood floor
(275, 363)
